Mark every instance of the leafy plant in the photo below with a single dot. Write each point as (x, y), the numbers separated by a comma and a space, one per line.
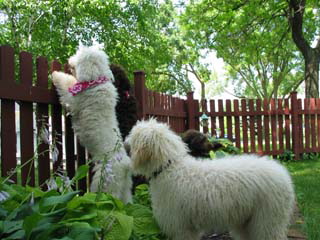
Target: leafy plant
(310, 156)
(142, 195)
(226, 149)
(61, 213)
(30, 213)
(286, 156)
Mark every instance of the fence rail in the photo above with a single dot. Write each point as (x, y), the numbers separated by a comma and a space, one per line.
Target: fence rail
(28, 102)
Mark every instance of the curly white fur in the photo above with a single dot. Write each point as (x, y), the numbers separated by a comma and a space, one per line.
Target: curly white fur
(94, 118)
(250, 196)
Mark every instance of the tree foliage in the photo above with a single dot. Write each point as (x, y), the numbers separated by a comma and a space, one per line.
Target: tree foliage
(254, 39)
(135, 34)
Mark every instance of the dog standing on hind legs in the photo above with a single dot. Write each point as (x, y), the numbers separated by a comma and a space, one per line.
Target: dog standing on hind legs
(90, 96)
(252, 197)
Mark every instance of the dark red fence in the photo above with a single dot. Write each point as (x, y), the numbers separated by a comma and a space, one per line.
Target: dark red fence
(29, 103)
(256, 126)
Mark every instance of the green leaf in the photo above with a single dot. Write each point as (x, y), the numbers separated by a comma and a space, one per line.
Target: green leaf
(86, 199)
(81, 231)
(212, 154)
(221, 154)
(36, 191)
(119, 227)
(12, 226)
(143, 220)
(20, 234)
(48, 202)
(44, 229)
(84, 215)
(31, 222)
(81, 172)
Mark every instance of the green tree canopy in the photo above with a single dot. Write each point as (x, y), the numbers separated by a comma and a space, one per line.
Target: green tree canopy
(135, 34)
(254, 39)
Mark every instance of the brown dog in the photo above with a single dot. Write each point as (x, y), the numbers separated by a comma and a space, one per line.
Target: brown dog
(199, 144)
(126, 109)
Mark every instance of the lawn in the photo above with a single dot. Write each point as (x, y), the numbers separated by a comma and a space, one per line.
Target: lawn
(306, 177)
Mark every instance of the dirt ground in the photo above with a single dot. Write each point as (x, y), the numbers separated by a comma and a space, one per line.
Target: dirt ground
(294, 233)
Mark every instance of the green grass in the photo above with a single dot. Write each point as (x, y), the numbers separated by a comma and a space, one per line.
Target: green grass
(306, 177)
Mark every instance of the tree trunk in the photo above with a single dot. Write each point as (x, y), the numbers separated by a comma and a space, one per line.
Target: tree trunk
(311, 74)
(203, 90)
(311, 55)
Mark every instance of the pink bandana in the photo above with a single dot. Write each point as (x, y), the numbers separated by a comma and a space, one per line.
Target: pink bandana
(81, 86)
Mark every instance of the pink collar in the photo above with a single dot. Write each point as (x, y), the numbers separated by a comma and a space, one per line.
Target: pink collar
(82, 86)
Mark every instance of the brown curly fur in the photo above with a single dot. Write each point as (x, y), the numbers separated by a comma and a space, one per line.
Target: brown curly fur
(126, 108)
(199, 144)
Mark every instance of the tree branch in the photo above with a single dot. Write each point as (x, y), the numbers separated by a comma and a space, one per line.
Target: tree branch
(296, 21)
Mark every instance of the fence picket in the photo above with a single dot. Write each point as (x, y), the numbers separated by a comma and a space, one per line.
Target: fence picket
(287, 124)
(237, 123)
(69, 146)
(266, 125)
(8, 127)
(252, 126)
(213, 118)
(229, 120)
(42, 117)
(280, 125)
(244, 125)
(81, 159)
(318, 125)
(273, 125)
(307, 123)
(26, 123)
(221, 118)
(259, 126)
(313, 125)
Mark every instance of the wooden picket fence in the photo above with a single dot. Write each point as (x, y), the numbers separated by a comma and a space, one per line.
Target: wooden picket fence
(29, 103)
(266, 127)
(28, 93)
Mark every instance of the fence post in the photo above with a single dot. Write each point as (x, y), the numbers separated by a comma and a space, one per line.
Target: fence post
(190, 111)
(139, 92)
(295, 126)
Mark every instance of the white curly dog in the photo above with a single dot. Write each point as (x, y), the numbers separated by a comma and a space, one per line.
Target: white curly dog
(90, 96)
(250, 196)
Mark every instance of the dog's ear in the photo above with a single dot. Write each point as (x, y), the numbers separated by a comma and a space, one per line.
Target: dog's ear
(142, 157)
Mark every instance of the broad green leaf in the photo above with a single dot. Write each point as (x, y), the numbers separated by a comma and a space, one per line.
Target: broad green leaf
(20, 234)
(81, 231)
(12, 226)
(143, 220)
(31, 222)
(48, 202)
(81, 172)
(118, 227)
(85, 215)
(212, 154)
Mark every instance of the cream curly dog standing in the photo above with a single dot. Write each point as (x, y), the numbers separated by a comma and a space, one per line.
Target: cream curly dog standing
(250, 196)
(91, 97)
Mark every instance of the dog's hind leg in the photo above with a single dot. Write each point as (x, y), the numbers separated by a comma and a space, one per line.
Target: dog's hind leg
(267, 228)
